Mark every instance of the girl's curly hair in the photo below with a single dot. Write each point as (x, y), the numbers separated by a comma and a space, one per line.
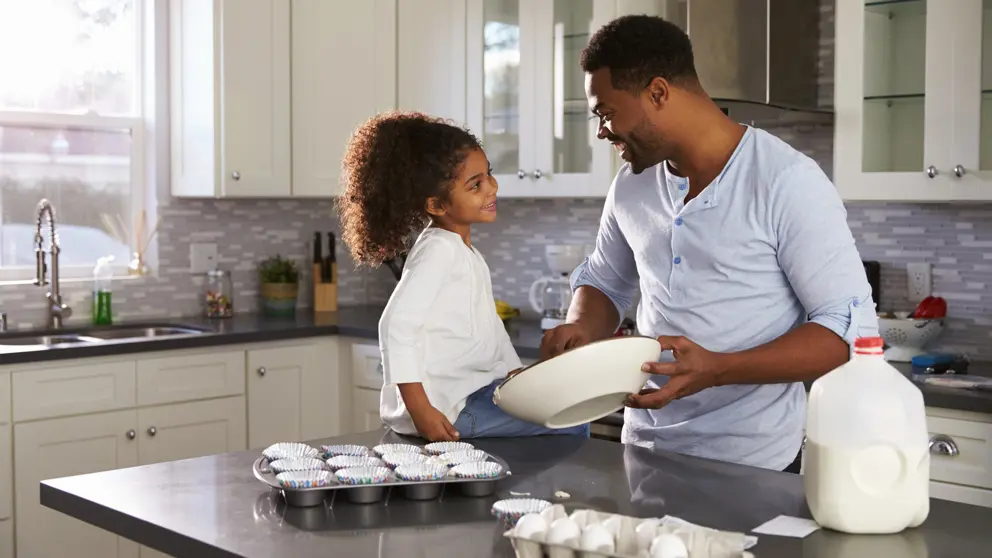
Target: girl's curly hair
(394, 163)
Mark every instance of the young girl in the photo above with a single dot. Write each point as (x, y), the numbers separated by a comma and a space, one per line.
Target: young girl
(444, 349)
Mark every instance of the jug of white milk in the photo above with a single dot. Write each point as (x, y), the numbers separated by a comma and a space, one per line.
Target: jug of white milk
(866, 458)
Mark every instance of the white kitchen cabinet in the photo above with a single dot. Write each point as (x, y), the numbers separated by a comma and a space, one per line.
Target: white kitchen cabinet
(365, 410)
(960, 456)
(194, 429)
(526, 95)
(230, 98)
(62, 447)
(344, 72)
(294, 393)
(6, 538)
(913, 96)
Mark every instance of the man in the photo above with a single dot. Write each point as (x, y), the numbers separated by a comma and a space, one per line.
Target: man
(738, 244)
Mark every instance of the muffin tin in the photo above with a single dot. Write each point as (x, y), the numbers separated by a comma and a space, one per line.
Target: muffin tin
(473, 472)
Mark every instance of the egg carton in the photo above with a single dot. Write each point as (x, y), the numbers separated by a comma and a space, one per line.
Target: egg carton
(306, 476)
(592, 534)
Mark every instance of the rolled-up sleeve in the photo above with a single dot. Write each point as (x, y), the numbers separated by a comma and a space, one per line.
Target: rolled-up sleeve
(611, 268)
(402, 321)
(816, 250)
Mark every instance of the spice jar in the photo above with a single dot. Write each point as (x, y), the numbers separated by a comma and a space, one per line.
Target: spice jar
(218, 294)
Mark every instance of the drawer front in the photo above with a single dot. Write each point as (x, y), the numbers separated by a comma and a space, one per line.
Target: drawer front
(972, 466)
(4, 397)
(72, 390)
(185, 378)
(366, 366)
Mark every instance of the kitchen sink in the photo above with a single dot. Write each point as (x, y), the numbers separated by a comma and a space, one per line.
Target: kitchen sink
(97, 335)
(141, 332)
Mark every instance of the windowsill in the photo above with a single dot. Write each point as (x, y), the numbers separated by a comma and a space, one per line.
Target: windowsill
(71, 280)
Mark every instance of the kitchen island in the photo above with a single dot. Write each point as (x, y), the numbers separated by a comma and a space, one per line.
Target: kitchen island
(213, 506)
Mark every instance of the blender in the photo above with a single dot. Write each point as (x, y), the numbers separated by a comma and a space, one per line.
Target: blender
(551, 296)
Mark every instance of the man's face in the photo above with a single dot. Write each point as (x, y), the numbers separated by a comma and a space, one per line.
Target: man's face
(624, 122)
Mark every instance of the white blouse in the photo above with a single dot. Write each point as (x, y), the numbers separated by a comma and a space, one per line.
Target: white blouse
(440, 328)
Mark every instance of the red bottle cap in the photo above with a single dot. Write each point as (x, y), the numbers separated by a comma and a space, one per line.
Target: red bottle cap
(868, 345)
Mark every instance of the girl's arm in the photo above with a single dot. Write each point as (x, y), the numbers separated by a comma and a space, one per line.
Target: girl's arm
(431, 423)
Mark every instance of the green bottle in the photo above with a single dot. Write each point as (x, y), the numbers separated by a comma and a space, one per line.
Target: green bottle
(102, 275)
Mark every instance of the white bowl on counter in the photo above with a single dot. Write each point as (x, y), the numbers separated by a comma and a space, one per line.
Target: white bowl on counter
(907, 337)
(580, 385)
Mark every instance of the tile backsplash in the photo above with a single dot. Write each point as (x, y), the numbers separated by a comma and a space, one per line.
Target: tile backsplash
(956, 239)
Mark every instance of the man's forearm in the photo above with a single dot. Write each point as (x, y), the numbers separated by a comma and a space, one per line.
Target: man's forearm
(594, 311)
(804, 354)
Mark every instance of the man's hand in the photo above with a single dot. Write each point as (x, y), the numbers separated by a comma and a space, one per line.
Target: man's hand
(694, 370)
(562, 338)
(433, 425)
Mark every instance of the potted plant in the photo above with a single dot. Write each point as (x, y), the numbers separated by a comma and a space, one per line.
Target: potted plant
(280, 285)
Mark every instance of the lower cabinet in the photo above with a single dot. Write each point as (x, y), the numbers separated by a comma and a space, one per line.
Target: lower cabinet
(91, 443)
(365, 410)
(145, 409)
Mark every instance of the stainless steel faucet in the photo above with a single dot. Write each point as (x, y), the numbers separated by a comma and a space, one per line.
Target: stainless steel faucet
(57, 311)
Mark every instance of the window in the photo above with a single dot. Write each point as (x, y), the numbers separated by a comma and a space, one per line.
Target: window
(71, 128)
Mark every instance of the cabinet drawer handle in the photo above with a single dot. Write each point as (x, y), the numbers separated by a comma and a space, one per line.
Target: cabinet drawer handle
(941, 444)
(152, 431)
(131, 434)
(959, 170)
(236, 175)
(261, 370)
(931, 171)
(538, 173)
(521, 174)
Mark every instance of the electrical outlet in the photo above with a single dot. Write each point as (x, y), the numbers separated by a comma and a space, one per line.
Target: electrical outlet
(202, 257)
(919, 281)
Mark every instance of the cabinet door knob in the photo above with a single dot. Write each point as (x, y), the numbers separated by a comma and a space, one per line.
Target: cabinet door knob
(538, 174)
(942, 444)
(261, 370)
(131, 434)
(959, 170)
(152, 431)
(521, 174)
(931, 171)
(236, 175)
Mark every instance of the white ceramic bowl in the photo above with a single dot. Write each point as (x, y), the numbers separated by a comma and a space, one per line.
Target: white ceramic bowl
(906, 337)
(581, 385)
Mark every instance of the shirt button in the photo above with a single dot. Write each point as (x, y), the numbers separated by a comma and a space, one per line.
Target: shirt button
(677, 260)
(682, 186)
(678, 221)
(856, 303)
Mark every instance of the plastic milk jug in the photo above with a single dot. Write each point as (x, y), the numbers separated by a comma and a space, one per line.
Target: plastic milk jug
(866, 459)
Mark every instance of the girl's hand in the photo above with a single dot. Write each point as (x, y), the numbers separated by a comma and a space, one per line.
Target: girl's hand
(433, 425)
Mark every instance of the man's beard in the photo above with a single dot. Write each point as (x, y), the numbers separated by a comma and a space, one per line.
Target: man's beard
(643, 148)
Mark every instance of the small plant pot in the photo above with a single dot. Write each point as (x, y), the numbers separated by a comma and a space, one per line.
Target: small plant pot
(279, 299)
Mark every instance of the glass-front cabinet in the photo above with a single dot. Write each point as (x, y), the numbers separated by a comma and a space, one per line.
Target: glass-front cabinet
(526, 95)
(913, 100)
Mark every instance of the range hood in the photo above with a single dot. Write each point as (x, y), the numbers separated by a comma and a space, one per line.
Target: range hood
(758, 59)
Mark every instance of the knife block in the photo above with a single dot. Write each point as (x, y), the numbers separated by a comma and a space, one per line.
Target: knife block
(325, 295)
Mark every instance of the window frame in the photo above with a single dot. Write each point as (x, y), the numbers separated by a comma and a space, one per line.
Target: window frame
(141, 187)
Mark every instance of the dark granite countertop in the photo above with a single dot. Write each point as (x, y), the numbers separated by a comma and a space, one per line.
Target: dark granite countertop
(213, 506)
(362, 322)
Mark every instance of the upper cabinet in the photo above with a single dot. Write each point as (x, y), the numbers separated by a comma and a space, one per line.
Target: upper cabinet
(526, 95)
(266, 93)
(913, 100)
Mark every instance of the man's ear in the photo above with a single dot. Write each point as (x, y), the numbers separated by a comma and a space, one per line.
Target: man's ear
(658, 91)
(435, 207)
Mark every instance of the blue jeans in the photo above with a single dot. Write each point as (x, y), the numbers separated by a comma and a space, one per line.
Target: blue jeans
(481, 418)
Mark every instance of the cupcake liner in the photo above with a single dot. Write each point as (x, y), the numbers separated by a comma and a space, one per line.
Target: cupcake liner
(422, 472)
(512, 509)
(383, 449)
(459, 457)
(283, 450)
(305, 479)
(297, 464)
(346, 449)
(363, 475)
(438, 448)
(351, 461)
(394, 460)
(478, 470)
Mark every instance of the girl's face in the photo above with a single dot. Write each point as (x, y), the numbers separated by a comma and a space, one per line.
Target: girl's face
(472, 195)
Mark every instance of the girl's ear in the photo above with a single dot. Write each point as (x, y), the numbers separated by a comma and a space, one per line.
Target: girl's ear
(435, 207)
